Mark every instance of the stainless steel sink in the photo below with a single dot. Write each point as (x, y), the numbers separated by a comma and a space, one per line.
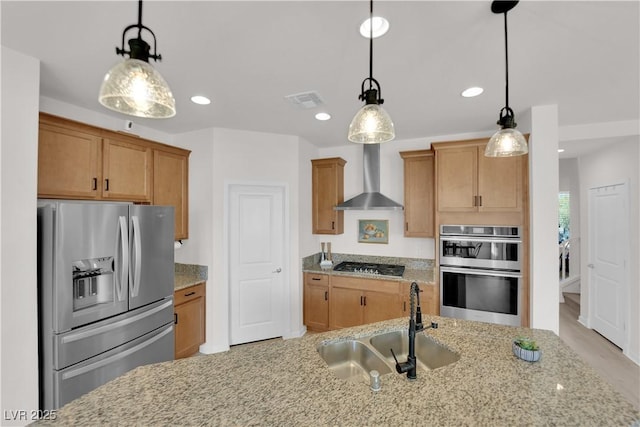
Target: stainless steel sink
(352, 359)
(355, 358)
(429, 354)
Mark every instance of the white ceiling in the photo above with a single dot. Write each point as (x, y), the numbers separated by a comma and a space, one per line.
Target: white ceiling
(247, 56)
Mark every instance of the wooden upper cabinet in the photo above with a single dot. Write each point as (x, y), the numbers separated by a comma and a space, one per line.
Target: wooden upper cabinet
(500, 183)
(79, 161)
(68, 162)
(127, 169)
(457, 183)
(467, 181)
(171, 186)
(327, 192)
(419, 209)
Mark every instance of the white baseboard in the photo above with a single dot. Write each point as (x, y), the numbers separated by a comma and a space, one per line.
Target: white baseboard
(635, 358)
(584, 321)
(211, 349)
(295, 334)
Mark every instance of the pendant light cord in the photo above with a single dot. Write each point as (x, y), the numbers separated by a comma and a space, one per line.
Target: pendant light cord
(371, 45)
(506, 61)
(139, 18)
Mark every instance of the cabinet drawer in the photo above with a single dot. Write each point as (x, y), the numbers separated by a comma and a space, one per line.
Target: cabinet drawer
(316, 279)
(387, 286)
(188, 294)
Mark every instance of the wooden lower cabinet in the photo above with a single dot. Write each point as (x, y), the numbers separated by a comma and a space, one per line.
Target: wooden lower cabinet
(358, 301)
(316, 302)
(189, 312)
(334, 302)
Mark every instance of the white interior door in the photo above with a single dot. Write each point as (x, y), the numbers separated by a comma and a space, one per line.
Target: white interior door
(608, 249)
(256, 251)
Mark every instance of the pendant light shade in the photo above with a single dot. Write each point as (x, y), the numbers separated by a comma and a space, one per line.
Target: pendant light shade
(133, 86)
(508, 141)
(372, 124)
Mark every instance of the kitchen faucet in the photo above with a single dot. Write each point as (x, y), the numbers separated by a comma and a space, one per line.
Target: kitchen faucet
(415, 325)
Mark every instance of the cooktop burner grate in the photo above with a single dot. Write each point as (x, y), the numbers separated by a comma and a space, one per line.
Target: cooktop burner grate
(371, 268)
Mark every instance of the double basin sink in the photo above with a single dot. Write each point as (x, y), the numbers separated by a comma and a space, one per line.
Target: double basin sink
(355, 358)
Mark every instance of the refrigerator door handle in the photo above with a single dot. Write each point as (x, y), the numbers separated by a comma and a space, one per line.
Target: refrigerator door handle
(136, 256)
(123, 253)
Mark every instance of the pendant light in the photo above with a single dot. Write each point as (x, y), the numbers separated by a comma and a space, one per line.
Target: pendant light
(372, 124)
(508, 141)
(134, 87)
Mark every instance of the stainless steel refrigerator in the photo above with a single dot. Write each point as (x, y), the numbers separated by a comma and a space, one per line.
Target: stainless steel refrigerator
(105, 293)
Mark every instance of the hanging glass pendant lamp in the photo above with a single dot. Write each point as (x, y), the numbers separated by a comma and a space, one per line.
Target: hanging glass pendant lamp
(372, 124)
(508, 141)
(134, 87)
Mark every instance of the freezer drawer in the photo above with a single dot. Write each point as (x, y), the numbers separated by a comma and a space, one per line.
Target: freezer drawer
(83, 343)
(70, 383)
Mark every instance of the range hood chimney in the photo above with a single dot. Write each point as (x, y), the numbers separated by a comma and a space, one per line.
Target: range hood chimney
(371, 198)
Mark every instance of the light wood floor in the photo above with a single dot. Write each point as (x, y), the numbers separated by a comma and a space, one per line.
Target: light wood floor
(607, 359)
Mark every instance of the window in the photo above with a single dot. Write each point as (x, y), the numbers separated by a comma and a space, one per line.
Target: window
(564, 217)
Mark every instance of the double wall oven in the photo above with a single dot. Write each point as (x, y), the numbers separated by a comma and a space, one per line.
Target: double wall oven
(481, 273)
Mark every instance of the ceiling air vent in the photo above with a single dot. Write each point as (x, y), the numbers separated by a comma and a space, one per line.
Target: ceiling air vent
(305, 100)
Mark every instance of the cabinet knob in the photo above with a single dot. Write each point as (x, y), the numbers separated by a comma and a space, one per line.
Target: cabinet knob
(277, 270)
(326, 295)
(106, 184)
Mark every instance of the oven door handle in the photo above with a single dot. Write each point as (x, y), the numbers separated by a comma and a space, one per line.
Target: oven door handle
(479, 272)
(459, 239)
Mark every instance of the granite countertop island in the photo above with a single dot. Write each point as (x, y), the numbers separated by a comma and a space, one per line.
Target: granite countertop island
(285, 382)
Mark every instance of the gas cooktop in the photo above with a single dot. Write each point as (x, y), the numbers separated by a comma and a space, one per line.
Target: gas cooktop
(371, 268)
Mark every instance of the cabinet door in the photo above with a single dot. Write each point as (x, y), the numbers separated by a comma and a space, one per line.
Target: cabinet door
(429, 300)
(171, 187)
(126, 171)
(418, 193)
(68, 163)
(379, 306)
(457, 170)
(316, 307)
(190, 320)
(327, 192)
(345, 307)
(499, 183)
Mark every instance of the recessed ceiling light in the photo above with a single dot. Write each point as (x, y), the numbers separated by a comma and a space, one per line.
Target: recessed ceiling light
(323, 116)
(472, 91)
(380, 27)
(560, 150)
(201, 100)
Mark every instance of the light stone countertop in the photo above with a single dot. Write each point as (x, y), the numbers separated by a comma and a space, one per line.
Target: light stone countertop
(286, 383)
(188, 275)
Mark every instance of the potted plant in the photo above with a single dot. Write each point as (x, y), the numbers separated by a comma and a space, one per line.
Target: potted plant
(526, 349)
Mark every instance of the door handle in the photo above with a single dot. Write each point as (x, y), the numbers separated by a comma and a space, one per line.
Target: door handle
(590, 265)
(277, 270)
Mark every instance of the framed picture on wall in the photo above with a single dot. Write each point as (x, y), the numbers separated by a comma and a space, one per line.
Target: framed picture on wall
(373, 231)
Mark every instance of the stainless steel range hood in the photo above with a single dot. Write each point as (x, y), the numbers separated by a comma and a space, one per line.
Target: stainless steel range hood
(371, 198)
